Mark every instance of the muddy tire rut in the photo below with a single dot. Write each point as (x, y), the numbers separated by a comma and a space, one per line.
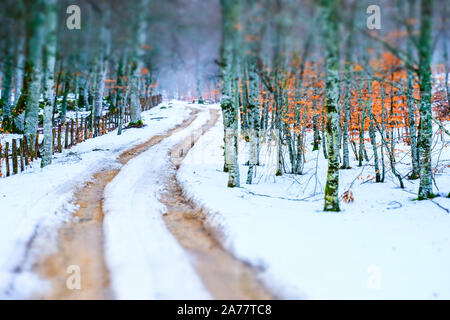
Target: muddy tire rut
(223, 275)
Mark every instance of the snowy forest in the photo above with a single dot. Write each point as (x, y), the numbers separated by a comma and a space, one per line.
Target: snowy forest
(224, 149)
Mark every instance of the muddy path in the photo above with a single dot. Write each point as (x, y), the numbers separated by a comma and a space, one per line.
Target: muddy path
(223, 275)
(80, 241)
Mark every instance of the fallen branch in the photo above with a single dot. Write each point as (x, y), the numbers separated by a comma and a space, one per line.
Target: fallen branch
(281, 198)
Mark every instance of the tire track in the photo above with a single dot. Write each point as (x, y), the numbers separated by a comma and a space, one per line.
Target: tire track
(223, 275)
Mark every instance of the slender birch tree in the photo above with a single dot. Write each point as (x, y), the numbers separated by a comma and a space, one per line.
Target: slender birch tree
(415, 174)
(329, 26)
(348, 83)
(229, 102)
(137, 64)
(253, 40)
(33, 64)
(7, 79)
(49, 72)
(425, 126)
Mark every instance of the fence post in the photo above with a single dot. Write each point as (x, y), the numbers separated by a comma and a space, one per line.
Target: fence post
(14, 156)
(66, 137)
(85, 129)
(26, 152)
(71, 133)
(77, 132)
(22, 164)
(59, 138)
(53, 140)
(31, 147)
(36, 147)
(7, 159)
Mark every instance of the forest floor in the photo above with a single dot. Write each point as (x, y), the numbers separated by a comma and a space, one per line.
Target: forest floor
(382, 245)
(116, 230)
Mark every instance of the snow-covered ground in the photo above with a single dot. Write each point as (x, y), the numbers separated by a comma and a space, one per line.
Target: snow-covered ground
(383, 245)
(36, 202)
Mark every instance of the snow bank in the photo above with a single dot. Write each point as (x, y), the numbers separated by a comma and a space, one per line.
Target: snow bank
(384, 245)
(34, 204)
(144, 259)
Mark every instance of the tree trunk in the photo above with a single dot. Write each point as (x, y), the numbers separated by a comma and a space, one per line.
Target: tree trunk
(372, 135)
(135, 104)
(19, 68)
(64, 100)
(33, 69)
(121, 88)
(137, 65)
(316, 133)
(362, 147)
(49, 74)
(99, 88)
(348, 83)
(425, 127)
(331, 40)
(412, 122)
(254, 44)
(7, 81)
(230, 108)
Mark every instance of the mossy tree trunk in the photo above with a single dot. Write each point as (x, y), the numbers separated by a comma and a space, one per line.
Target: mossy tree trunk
(425, 127)
(329, 28)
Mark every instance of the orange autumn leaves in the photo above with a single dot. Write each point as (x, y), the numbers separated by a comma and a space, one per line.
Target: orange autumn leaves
(380, 84)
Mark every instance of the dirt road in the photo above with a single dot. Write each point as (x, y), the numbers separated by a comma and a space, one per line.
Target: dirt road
(81, 241)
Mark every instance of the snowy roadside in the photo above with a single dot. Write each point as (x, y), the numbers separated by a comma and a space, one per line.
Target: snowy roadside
(144, 259)
(381, 246)
(39, 200)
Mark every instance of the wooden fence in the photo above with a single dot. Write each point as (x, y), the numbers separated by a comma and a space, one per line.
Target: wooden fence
(20, 153)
